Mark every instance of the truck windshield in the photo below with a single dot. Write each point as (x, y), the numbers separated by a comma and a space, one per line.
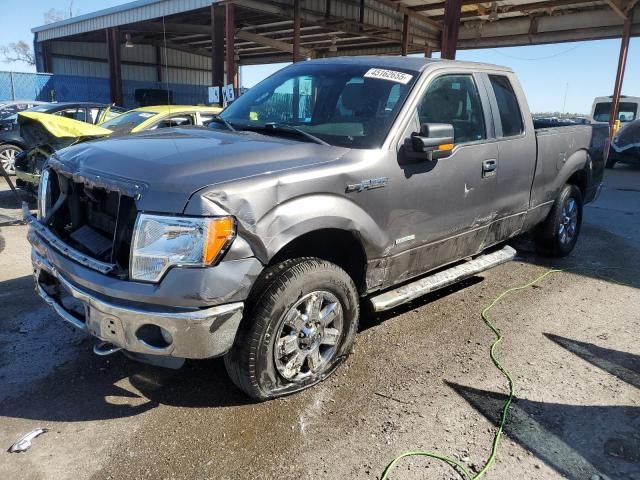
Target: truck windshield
(626, 113)
(346, 105)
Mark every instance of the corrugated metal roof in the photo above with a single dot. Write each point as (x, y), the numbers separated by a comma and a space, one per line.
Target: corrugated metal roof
(131, 12)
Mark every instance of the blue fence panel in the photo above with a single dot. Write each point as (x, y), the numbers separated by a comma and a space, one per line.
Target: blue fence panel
(71, 88)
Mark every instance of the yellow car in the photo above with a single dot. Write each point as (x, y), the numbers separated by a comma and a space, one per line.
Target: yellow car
(47, 133)
(150, 118)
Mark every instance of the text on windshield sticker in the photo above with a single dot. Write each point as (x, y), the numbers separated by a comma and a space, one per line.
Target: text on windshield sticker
(391, 75)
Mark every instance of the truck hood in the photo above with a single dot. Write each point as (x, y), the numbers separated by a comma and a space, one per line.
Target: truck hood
(165, 167)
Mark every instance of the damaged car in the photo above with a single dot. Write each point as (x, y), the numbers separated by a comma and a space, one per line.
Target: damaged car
(332, 184)
(13, 142)
(625, 145)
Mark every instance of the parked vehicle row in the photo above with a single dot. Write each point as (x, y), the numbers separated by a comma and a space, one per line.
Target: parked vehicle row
(331, 183)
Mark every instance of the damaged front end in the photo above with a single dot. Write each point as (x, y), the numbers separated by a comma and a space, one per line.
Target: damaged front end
(46, 134)
(82, 243)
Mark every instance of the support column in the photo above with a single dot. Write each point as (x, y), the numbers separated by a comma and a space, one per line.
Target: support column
(158, 64)
(115, 69)
(296, 31)
(405, 35)
(217, 45)
(622, 63)
(46, 57)
(230, 35)
(450, 27)
(428, 51)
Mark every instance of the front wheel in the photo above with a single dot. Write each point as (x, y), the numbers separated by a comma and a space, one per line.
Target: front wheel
(300, 326)
(8, 155)
(558, 234)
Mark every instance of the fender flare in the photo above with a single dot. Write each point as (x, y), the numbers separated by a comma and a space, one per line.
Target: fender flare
(579, 161)
(305, 214)
(20, 145)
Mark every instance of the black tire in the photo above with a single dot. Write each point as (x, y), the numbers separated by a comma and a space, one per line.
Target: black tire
(611, 161)
(8, 154)
(549, 235)
(252, 364)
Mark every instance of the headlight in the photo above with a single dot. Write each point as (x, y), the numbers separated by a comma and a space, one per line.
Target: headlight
(161, 242)
(44, 194)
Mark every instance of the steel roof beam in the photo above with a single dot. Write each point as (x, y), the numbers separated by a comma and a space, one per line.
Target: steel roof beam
(622, 7)
(271, 42)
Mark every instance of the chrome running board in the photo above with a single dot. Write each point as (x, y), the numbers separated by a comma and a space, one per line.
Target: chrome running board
(413, 290)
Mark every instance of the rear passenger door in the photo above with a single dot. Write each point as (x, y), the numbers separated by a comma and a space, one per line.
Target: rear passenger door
(515, 139)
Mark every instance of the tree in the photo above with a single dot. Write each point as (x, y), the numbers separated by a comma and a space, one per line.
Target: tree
(54, 15)
(18, 52)
(21, 51)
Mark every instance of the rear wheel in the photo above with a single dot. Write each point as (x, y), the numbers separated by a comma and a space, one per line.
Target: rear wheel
(8, 155)
(558, 234)
(299, 328)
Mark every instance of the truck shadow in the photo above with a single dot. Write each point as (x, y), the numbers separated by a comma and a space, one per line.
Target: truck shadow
(599, 254)
(576, 440)
(89, 388)
(48, 371)
(370, 319)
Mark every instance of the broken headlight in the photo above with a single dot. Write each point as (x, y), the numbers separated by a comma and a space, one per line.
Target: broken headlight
(44, 194)
(161, 242)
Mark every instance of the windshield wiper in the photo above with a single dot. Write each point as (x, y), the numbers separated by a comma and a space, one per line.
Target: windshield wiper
(285, 127)
(221, 120)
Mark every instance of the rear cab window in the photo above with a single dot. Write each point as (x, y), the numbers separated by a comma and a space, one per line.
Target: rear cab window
(508, 106)
(627, 112)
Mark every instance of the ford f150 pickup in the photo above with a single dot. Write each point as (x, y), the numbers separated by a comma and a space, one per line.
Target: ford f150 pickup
(331, 183)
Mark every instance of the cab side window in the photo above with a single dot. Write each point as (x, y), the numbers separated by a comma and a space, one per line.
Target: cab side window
(454, 99)
(510, 114)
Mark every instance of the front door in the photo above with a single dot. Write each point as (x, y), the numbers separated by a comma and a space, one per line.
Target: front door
(446, 206)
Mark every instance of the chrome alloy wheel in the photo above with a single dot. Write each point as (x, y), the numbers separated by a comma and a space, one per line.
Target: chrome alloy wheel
(308, 336)
(8, 159)
(568, 221)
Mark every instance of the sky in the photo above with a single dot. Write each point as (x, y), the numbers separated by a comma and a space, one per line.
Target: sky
(582, 70)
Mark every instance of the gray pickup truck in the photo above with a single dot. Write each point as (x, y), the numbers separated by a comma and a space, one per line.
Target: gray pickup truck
(330, 184)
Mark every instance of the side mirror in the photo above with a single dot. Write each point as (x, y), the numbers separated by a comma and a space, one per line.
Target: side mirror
(434, 141)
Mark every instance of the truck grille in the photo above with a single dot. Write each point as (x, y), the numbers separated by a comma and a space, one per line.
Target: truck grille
(92, 220)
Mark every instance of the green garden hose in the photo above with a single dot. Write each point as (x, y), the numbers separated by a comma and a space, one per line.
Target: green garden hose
(460, 468)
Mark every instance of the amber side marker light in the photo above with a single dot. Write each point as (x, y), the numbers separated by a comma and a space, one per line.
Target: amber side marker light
(220, 233)
(446, 146)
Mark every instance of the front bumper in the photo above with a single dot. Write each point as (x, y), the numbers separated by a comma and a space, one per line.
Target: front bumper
(31, 179)
(195, 333)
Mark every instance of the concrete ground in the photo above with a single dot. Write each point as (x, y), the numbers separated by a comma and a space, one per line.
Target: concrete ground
(420, 378)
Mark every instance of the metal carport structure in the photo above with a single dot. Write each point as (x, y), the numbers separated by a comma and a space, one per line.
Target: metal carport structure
(219, 35)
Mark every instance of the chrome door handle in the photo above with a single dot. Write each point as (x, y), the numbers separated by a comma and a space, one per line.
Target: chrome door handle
(489, 168)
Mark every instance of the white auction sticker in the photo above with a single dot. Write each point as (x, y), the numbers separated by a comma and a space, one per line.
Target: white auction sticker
(391, 75)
